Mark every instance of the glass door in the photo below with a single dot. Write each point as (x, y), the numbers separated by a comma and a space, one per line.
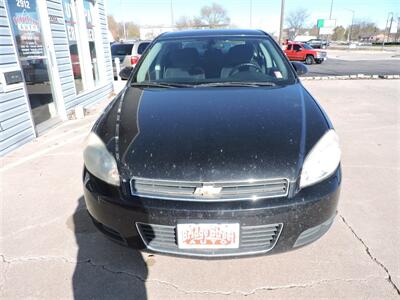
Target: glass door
(26, 27)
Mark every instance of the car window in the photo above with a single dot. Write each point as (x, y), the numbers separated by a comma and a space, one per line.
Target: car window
(121, 49)
(296, 47)
(214, 59)
(142, 47)
(289, 47)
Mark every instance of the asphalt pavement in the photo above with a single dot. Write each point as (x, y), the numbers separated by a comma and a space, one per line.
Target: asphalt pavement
(337, 67)
(49, 248)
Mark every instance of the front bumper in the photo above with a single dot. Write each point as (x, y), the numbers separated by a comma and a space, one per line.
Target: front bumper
(295, 221)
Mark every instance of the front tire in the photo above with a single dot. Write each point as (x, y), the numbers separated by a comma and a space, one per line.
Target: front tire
(309, 60)
(319, 61)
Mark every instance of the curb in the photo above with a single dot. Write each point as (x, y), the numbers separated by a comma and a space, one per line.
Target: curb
(350, 77)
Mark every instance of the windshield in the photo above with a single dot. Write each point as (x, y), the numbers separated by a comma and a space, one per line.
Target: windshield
(214, 60)
(307, 46)
(121, 49)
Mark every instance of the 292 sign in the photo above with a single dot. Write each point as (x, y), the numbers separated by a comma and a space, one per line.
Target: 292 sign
(23, 3)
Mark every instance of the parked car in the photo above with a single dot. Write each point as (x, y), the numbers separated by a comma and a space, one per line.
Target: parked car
(128, 53)
(213, 149)
(304, 52)
(318, 43)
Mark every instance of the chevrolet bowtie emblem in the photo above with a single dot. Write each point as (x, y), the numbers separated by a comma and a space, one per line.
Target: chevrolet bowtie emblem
(207, 191)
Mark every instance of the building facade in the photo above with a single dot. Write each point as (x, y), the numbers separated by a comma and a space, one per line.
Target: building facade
(54, 56)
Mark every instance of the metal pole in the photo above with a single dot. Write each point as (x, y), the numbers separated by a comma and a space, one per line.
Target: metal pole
(251, 13)
(172, 15)
(390, 27)
(351, 27)
(281, 22)
(386, 26)
(330, 13)
(330, 18)
(124, 31)
(398, 30)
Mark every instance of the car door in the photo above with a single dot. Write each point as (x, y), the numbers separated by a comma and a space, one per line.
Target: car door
(297, 52)
(289, 52)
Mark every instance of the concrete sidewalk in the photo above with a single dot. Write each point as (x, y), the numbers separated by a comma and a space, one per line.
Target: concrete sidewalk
(49, 248)
(355, 55)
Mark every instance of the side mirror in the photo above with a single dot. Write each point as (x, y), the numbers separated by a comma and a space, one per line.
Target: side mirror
(126, 72)
(300, 68)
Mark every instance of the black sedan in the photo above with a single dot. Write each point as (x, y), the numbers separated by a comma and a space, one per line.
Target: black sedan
(213, 149)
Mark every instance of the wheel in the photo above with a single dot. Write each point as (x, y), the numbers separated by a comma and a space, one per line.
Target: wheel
(319, 61)
(309, 60)
(240, 67)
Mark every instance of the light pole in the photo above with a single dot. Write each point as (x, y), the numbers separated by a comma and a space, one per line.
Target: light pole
(351, 26)
(390, 16)
(281, 22)
(330, 12)
(330, 18)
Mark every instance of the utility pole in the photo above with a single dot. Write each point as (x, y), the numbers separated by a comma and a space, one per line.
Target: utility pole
(281, 22)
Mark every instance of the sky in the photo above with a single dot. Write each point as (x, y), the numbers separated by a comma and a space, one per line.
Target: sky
(265, 13)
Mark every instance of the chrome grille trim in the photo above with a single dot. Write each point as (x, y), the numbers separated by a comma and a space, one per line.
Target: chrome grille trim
(230, 190)
(162, 239)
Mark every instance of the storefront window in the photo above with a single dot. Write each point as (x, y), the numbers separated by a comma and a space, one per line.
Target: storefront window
(71, 27)
(33, 58)
(91, 34)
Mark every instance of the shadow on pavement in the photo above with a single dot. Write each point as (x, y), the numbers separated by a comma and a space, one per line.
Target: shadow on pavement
(104, 269)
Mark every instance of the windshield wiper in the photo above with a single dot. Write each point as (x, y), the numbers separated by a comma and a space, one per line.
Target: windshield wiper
(160, 84)
(236, 84)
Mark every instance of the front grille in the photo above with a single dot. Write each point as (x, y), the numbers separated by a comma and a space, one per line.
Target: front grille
(186, 190)
(253, 240)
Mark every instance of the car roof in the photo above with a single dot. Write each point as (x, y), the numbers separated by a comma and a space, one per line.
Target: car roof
(211, 32)
(131, 42)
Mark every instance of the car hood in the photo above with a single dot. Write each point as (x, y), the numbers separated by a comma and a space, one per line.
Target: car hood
(214, 134)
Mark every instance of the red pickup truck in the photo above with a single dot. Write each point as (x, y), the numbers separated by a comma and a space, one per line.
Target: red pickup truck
(304, 52)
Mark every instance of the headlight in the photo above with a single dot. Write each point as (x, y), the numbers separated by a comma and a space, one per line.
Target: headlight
(99, 161)
(322, 160)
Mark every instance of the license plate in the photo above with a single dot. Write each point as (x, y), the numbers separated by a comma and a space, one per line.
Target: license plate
(208, 236)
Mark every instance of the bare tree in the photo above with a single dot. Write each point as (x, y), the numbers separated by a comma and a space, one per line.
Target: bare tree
(117, 29)
(364, 29)
(113, 26)
(132, 30)
(296, 20)
(187, 22)
(214, 16)
(339, 33)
